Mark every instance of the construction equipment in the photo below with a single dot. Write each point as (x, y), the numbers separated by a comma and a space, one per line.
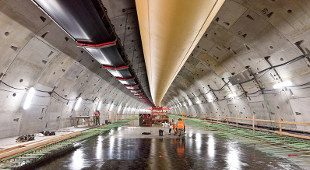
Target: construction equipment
(145, 119)
(159, 114)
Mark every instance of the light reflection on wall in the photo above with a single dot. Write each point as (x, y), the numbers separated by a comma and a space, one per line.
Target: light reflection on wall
(233, 156)
(77, 159)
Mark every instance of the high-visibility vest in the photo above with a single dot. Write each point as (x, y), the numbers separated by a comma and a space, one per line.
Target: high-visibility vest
(175, 128)
(180, 125)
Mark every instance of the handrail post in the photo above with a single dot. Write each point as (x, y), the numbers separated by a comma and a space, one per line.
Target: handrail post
(108, 115)
(253, 123)
(280, 126)
(182, 114)
(237, 120)
(226, 120)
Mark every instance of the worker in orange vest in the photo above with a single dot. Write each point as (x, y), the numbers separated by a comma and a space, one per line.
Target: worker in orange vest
(180, 127)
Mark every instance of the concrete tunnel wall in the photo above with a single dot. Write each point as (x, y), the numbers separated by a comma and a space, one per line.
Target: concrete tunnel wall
(35, 52)
(242, 34)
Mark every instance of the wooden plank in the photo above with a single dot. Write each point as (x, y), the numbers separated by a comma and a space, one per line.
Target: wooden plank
(35, 154)
(37, 144)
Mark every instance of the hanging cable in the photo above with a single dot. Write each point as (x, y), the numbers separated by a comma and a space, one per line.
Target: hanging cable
(285, 63)
(43, 91)
(12, 86)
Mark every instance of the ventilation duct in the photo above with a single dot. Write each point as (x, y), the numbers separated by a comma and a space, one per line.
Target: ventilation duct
(122, 71)
(82, 21)
(127, 81)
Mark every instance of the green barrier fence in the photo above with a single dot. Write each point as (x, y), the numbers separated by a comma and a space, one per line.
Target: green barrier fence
(38, 154)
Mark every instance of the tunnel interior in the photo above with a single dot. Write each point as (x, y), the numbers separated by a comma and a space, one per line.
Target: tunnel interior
(225, 63)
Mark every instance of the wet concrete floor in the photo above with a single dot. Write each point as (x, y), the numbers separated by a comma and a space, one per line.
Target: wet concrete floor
(127, 148)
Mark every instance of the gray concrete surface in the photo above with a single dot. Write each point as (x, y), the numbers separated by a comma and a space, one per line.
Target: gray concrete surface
(242, 34)
(35, 52)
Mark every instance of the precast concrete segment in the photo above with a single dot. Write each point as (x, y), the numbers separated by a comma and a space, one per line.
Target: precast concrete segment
(170, 30)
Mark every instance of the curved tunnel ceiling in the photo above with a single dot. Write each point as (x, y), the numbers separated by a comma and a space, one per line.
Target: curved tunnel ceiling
(87, 23)
(266, 38)
(245, 35)
(37, 53)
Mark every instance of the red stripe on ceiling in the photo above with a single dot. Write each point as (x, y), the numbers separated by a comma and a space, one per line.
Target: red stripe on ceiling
(115, 68)
(106, 44)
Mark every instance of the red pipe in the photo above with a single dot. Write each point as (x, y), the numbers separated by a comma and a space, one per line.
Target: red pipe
(106, 44)
(115, 68)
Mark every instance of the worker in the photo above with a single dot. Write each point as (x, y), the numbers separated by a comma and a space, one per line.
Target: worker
(97, 117)
(180, 127)
(170, 128)
(175, 129)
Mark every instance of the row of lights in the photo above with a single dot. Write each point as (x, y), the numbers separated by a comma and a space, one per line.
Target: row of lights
(31, 93)
(233, 95)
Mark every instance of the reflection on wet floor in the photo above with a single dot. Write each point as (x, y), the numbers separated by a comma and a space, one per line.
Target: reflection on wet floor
(125, 148)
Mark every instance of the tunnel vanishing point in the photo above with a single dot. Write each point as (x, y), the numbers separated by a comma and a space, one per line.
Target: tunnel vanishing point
(107, 84)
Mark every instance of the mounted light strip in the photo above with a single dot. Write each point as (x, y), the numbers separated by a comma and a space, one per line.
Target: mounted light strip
(28, 99)
(282, 84)
(99, 105)
(232, 95)
(78, 103)
(101, 45)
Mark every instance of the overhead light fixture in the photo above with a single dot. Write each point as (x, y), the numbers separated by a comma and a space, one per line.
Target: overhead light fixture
(198, 101)
(119, 108)
(189, 102)
(282, 84)
(78, 103)
(28, 99)
(232, 95)
(210, 97)
(99, 105)
(111, 107)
